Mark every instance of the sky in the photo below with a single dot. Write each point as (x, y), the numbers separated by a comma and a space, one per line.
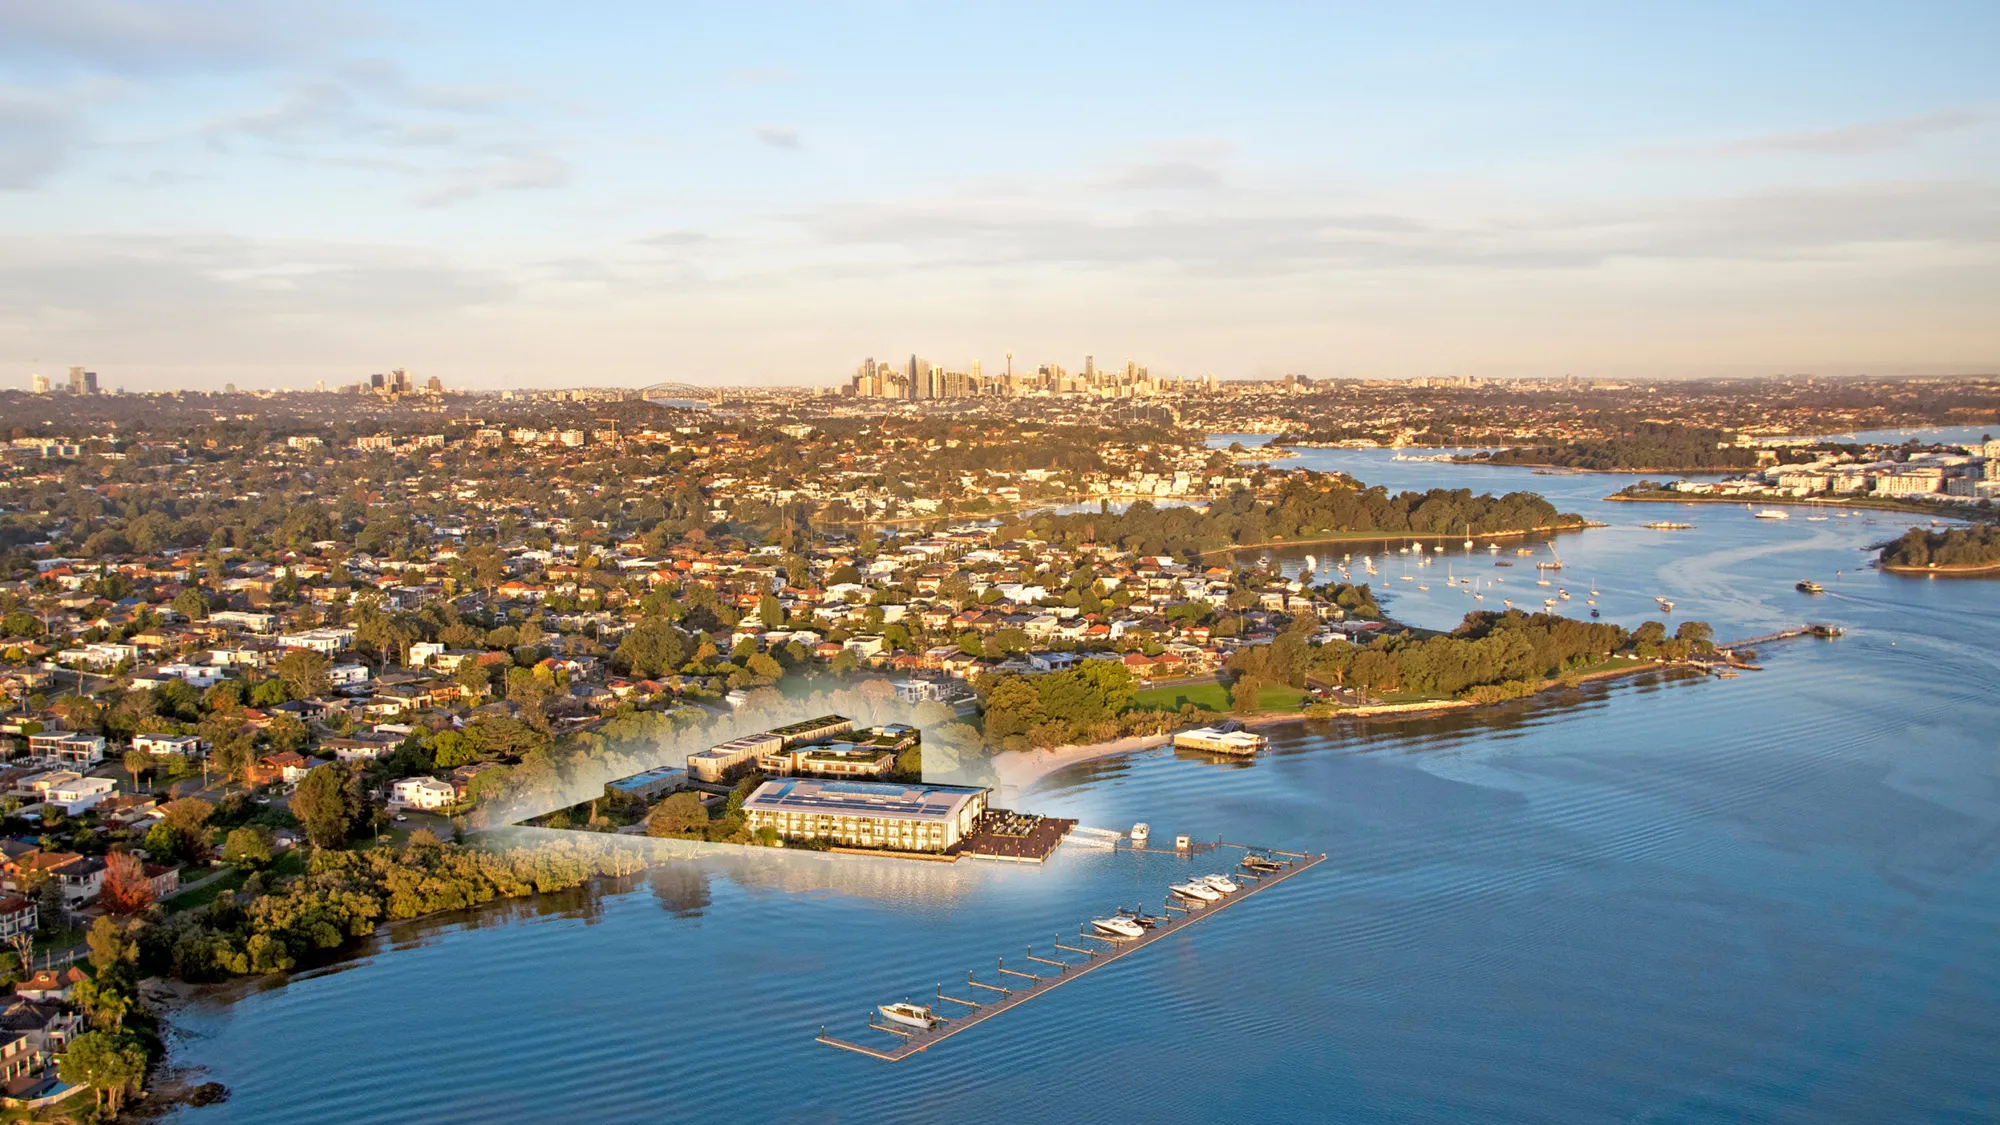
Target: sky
(521, 194)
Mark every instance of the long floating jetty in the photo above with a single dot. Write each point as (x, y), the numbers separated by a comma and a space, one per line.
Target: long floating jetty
(1013, 987)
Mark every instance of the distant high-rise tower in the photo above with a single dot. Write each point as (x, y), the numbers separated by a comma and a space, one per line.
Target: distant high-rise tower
(39, 384)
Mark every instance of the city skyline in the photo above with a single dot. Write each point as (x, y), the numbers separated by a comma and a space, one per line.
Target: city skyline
(270, 194)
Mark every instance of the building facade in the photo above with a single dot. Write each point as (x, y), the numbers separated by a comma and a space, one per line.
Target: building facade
(867, 814)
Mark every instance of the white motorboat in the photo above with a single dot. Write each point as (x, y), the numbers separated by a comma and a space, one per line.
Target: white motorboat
(1773, 514)
(1199, 891)
(1118, 927)
(1140, 831)
(910, 1015)
(1221, 883)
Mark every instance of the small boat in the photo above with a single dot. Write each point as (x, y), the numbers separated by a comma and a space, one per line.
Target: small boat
(1118, 927)
(1493, 547)
(1140, 831)
(1563, 594)
(1543, 582)
(1808, 586)
(1257, 862)
(1666, 607)
(1594, 613)
(1221, 883)
(1668, 525)
(1773, 514)
(1200, 892)
(1508, 602)
(1421, 586)
(1145, 920)
(1523, 551)
(1503, 562)
(912, 1015)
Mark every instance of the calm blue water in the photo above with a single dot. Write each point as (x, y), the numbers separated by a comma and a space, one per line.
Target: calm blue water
(1773, 898)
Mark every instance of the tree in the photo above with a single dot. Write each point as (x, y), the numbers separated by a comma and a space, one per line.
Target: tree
(473, 678)
(654, 647)
(286, 732)
(678, 814)
(450, 749)
(137, 762)
(126, 888)
(305, 673)
(1244, 692)
(51, 909)
(190, 604)
(110, 1062)
(248, 847)
(111, 946)
(770, 612)
(327, 802)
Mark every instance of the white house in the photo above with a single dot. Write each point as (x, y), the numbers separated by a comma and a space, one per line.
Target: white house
(323, 641)
(348, 675)
(73, 793)
(68, 746)
(186, 745)
(421, 793)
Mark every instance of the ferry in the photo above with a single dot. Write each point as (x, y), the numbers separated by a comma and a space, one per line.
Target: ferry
(1139, 833)
(1200, 892)
(1773, 514)
(912, 1015)
(1668, 525)
(1221, 883)
(1119, 927)
(1808, 586)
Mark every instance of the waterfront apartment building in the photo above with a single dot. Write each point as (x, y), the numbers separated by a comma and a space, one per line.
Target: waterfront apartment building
(733, 758)
(867, 814)
(866, 753)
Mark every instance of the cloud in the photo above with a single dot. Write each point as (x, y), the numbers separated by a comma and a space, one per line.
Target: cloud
(497, 171)
(778, 136)
(1275, 237)
(456, 142)
(37, 132)
(673, 238)
(143, 36)
(1179, 166)
(1866, 136)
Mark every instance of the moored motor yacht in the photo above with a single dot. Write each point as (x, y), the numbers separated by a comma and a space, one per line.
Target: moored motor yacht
(1221, 883)
(912, 1015)
(1199, 891)
(1140, 831)
(1118, 927)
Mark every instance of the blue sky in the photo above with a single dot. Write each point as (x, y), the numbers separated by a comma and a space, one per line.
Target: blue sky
(516, 194)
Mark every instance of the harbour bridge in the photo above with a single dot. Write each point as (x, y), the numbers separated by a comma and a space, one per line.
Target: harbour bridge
(686, 391)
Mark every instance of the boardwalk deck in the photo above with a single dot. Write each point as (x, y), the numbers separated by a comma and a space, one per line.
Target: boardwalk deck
(924, 1040)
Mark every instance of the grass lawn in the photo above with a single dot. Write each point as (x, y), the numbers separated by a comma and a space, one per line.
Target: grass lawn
(58, 940)
(1212, 696)
(231, 880)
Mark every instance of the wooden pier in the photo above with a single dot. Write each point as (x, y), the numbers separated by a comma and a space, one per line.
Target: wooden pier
(1027, 986)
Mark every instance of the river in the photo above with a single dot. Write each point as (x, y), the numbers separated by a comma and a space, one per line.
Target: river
(1772, 898)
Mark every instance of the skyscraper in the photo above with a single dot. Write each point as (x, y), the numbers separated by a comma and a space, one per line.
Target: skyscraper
(39, 384)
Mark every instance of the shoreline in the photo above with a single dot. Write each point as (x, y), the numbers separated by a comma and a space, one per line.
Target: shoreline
(1020, 770)
(1796, 502)
(1390, 537)
(1949, 570)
